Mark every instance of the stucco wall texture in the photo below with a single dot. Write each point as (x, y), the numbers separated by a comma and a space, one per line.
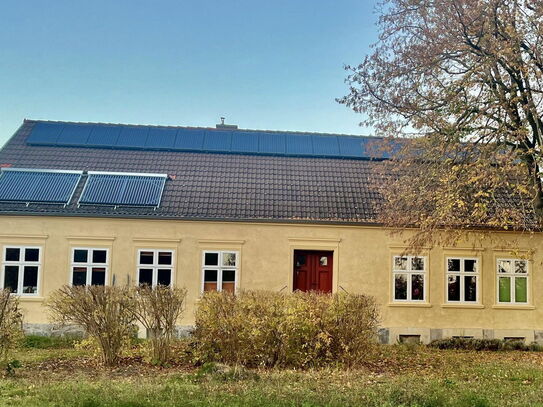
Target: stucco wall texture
(362, 263)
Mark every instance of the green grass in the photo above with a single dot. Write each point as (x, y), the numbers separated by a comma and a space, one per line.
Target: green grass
(401, 377)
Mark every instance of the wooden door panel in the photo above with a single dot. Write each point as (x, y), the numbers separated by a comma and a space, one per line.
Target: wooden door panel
(313, 271)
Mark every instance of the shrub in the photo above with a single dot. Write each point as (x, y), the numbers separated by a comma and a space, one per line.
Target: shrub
(104, 312)
(256, 328)
(11, 324)
(484, 344)
(49, 342)
(158, 310)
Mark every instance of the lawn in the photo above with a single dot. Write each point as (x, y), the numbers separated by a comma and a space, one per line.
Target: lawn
(400, 376)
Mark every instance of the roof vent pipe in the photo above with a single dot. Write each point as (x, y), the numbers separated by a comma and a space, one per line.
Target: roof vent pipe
(222, 125)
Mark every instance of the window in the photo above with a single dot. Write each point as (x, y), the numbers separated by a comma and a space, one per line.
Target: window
(21, 269)
(155, 267)
(409, 274)
(89, 266)
(512, 281)
(462, 279)
(220, 270)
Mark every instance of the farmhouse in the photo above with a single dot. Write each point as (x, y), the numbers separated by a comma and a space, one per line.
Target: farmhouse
(228, 209)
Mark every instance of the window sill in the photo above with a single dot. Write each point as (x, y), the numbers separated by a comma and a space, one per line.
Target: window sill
(410, 304)
(514, 306)
(466, 306)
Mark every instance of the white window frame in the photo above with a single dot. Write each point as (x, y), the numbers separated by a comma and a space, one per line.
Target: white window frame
(220, 268)
(21, 263)
(512, 275)
(462, 273)
(155, 266)
(410, 272)
(89, 264)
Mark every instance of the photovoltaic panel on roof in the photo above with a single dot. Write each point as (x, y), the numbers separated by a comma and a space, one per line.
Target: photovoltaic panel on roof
(132, 137)
(161, 138)
(190, 139)
(325, 145)
(299, 144)
(351, 146)
(18, 185)
(244, 142)
(103, 136)
(272, 143)
(74, 135)
(218, 140)
(45, 133)
(123, 189)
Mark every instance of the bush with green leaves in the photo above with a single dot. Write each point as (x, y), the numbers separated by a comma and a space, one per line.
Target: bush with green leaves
(104, 312)
(258, 328)
(158, 310)
(484, 344)
(11, 324)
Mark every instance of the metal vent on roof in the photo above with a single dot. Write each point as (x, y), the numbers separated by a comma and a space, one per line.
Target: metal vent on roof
(123, 189)
(37, 186)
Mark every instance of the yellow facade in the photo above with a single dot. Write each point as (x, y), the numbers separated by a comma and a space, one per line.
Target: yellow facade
(362, 263)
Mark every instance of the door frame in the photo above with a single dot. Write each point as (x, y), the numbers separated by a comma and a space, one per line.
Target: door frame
(317, 244)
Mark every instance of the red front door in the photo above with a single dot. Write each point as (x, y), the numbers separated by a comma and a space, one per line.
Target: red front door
(313, 271)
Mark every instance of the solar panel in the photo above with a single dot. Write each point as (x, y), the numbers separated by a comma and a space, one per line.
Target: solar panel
(45, 133)
(132, 137)
(46, 186)
(299, 144)
(218, 141)
(74, 135)
(123, 189)
(272, 143)
(161, 138)
(190, 139)
(351, 146)
(103, 136)
(325, 145)
(244, 142)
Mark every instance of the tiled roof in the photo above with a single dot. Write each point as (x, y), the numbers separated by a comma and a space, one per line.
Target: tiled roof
(211, 185)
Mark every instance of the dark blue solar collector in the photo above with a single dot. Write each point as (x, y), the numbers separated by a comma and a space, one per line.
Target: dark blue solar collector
(37, 186)
(123, 189)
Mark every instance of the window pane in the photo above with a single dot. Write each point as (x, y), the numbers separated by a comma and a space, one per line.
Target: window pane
(470, 288)
(165, 258)
(80, 256)
(229, 259)
(300, 260)
(323, 260)
(146, 257)
(521, 289)
(98, 276)
(400, 287)
(164, 277)
(11, 278)
(12, 254)
(504, 266)
(504, 288)
(99, 256)
(228, 276)
(228, 287)
(400, 263)
(453, 288)
(417, 287)
(79, 276)
(520, 267)
(32, 254)
(417, 263)
(30, 280)
(470, 265)
(146, 277)
(210, 275)
(211, 259)
(453, 264)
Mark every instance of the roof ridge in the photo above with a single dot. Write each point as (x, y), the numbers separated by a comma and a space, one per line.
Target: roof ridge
(312, 133)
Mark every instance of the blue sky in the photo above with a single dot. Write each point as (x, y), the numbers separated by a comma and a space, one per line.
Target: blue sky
(263, 64)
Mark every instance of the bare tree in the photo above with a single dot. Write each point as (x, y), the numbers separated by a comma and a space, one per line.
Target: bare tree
(464, 77)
